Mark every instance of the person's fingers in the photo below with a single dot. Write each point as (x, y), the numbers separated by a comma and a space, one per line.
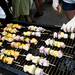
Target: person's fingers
(68, 29)
(55, 4)
(72, 29)
(59, 9)
(54, 7)
(65, 28)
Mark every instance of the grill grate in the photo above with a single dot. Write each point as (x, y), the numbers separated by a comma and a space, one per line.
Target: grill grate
(64, 65)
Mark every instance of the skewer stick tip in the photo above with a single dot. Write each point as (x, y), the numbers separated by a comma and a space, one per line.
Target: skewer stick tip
(16, 62)
(68, 56)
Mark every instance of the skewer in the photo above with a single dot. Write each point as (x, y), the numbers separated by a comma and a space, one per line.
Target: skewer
(48, 30)
(23, 55)
(67, 56)
(49, 63)
(2, 52)
(16, 62)
(8, 60)
(62, 54)
(52, 64)
(39, 60)
(61, 46)
(69, 46)
(34, 70)
(19, 65)
(44, 33)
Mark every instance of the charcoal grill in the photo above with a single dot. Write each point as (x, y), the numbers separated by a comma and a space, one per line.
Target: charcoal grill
(64, 65)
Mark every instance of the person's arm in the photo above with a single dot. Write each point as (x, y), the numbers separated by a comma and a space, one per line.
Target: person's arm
(56, 6)
(70, 26)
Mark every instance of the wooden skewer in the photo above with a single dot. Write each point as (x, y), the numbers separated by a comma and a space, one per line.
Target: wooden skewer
(49, 63)
(23, 66)
(48, 30)
(23, 55)
(66, 45)
(16, 62)
(23, 27)
(69, 46)
(44, 33)
(67, 56)
(52, 64)
(19, 65)
(63, 55)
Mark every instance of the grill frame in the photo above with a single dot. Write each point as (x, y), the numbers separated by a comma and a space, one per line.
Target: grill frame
(9, 68)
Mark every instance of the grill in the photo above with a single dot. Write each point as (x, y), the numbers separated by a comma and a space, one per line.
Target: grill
(63, 66)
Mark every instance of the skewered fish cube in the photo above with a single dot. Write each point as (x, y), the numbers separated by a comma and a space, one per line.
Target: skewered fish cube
(55, 35)
(32, 69)
(12, 52)
(29, 57)
(27, 40)
(8, 60)
(55, 53)
(35, 59)
(29, 68)
(28, 33)
(33, 40)
(43, 62)
(72, 36)
(1, 43)
(1, 56)
(39, 71)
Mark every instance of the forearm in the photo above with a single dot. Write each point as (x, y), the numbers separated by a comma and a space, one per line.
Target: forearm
(55, 4)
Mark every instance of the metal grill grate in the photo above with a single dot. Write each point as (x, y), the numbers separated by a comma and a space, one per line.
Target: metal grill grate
(64, 65)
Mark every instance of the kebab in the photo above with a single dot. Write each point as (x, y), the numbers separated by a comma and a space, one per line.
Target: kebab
(9, 37)
(38, 29)
(55, 53)
(17, 26)
(58, 44)
(60, 35)
(11, 30)
(28, 40)
(38, 60)
(32, 69)
(7, 60)
(30, 33)
(11, 52)
(20, 45)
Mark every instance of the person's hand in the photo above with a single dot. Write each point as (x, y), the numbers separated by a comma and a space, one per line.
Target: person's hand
(56, 6)
(70, 26)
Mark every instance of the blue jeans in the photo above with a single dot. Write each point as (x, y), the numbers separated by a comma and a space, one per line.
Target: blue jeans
(68, 6)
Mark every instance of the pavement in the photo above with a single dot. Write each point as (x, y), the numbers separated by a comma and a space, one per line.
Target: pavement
(50, 17)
